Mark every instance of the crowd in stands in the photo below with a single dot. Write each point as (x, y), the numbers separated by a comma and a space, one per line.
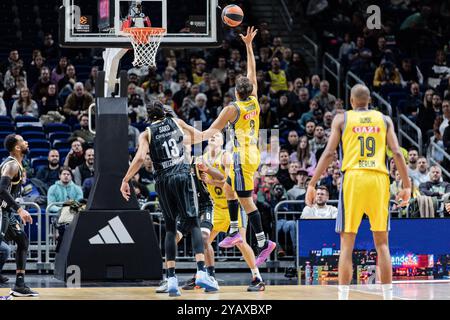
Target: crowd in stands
(47, 92)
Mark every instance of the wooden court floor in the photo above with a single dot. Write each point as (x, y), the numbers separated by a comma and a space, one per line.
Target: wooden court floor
(409, 291)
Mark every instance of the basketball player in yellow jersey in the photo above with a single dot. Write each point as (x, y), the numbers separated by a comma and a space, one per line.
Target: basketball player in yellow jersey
(363, 134)
(243, 119)
(220, 160)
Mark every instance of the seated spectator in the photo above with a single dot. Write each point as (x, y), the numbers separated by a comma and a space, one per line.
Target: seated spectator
(63, 190)
(319, 141)
(66, 85)
(291, 180)
(75, 157)
(40, 88)
(286, 114)
(324, 99)
(381, 51)
(386, 77)
(421, 174)
(409, 73)
(426, 114)
(327, 121)
(133, 136)
(320, 210)
(446, 116)
(267, 118)
(136, 106)
(298, 68)
(197, 74)
(283, 169)
(50, 173)
(50, 48)
(263, 63)
(433, 152)
(299, 97)
(86, 169)
(308, 116)
(77, 102)
(50, 101)
(413, 101)
(13, 73)
(304, 156)
(413, 156)
(220, 72)
(439, 71)
(293, 140)
(263, 86)
(25, 106)
(332, 184)
(309, 129)
(214, 88)
(199, 112)
(435, 187)
(298, 191)
(314, 86)
(360, 58)
(277, 79)
(83, 134)
(346, 47)
(89, 85)
(59, 71)
(34, 70)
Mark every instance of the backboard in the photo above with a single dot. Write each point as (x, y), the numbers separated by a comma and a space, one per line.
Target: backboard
(98, 23)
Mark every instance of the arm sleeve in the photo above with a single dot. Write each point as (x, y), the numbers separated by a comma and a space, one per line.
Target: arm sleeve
(5, 182)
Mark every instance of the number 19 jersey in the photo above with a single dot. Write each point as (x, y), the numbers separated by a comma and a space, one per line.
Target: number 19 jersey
(364, 141)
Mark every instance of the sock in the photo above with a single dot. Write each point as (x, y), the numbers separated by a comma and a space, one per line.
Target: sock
(211, 271)
(170, 272)
(255, 220)
(201, 265)
(343, 292)
(387, 291)
(256, 274)
(233, 209)
(20, 279)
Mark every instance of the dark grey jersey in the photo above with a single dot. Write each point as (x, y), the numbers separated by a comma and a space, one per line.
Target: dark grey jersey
(16, 183)
(166, 148)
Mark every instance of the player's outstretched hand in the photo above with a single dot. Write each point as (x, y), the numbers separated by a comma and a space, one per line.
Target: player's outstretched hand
(403, 197)
(248, 38)
(25, 216)
(202, 166)
(310, 196)
(125, 190)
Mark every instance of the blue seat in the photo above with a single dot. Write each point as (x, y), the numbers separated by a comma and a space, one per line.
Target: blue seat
(62, 155)
(58, 135)
(36, 153)
(56, 127)
(28, 135)
(395, 97)
(39, 162)
(28, 128)
(26, 119)
(3, 154)
(140, 125)
(3, 134)
(39, 144)
(61, 144)
(9, 127)
(5, 119)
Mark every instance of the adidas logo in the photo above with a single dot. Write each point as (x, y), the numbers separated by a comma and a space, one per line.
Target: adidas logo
(114, 233)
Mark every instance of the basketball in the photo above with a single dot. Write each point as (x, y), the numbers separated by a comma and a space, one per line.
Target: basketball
(232, 15)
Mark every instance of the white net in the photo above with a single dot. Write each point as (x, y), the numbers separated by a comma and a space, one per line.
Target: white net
(145, 43)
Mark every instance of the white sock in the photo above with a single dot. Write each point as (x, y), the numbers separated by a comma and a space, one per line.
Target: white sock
(256, 274)
(387, 291)
(234, 226)
(261, 238)
(343, 292)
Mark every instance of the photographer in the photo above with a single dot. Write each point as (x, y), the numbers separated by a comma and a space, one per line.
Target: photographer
(386, 77)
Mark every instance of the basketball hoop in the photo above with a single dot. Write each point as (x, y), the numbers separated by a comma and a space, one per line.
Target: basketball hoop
(145, 43)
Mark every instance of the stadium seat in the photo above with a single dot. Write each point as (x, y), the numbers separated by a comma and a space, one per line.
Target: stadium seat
(58, 135)
(28, 135)
(5, 119)
(7, 127)
(27, 128)
(36, 153)
(3, 154)
(25, 119)
(3, 134)
(61, 144)
(39, 144)
(62, 155)
(39, 162)
(56, 127)
(395, 97)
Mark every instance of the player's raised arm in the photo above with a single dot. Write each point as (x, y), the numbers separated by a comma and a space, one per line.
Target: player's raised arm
(391, 139)
(228, 114)
(251, 64)
(327, 157)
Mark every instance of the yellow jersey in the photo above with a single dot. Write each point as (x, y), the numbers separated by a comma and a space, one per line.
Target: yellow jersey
(278, 81)
(245, 129)
(216, 193)
(364, 141)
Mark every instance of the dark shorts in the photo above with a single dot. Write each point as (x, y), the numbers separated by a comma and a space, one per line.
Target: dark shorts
(176, 196)
(206, 220)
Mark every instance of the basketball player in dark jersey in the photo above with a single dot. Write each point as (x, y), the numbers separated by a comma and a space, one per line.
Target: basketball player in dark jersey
(10, 230)
(164, 139)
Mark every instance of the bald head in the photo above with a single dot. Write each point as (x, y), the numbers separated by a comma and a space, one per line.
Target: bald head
(360, 96)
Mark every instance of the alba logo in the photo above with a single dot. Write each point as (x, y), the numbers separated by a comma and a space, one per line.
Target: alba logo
(250, 115)
(114, 233)
(366, 129)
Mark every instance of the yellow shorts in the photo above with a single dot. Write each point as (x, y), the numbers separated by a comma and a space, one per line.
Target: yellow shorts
(243, 169)
(221, 219)
(363, 192)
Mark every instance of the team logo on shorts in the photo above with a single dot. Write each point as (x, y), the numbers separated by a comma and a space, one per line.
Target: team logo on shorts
(218, 191)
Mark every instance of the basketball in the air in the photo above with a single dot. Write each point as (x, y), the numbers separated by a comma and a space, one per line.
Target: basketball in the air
(232, 15)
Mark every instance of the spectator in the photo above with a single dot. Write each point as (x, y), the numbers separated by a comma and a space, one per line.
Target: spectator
(189, 103)
(308, 116)
(75, 157)
(426, 114)
(59, 71)
(267, 117)
(136, 107)
(409, 73)
(133, 136)
(34, 70)
(66, 84)
(319, 141)
(387, 77)
(320, 210)
(304, 156)
(324, 99)
(89, 85)
(13, 59)
(327, 121)
(15, 72)
(3, 110)
(153, 90)
(421, 174)
(230, 83)
(346, 47)
(309, 129)
(314, 86)
(199, 112)
(283, 170)
(50, 49)
(413, 27)
(64, 189)
(298, 191)
(25, 106)
(299, 97)
(446, 116)
(40, 89)
(220, 72)
(263, 63)
(360, 58)
(86, 169)
(83, 134)
(381, 52)
(77, 103)
(263, 86)
(33, 190)
(197, 74)
(434, 153)
(235, 60)
(277, 78)
(168, 83)
(50, 101)
(439, 70)
(413, 156)
(292, 141)
(286, 113)
(413, 101)
(297, 68)
(435, 187)
(214, 88)
(286, 59)
(50, 173)
(332, 184)
(179, 96)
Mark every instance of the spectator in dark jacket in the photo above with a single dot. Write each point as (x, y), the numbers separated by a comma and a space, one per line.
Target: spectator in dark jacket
(50, 173)
(40, 88)
(86, 169)
(435, 187)
(75, 157)
(78, 102)
(50, 101)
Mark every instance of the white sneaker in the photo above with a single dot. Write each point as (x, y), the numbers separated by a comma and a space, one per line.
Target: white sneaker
(162, 287)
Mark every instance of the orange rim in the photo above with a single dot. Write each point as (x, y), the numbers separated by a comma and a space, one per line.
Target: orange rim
(141, 35)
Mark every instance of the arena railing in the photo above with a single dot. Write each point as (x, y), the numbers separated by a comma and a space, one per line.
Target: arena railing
(348, 86)
(313, 53)
(405, 127)
(287, 19)
(434, 145)
(50, 235)
(382, 103)
(34, 258)
(333, 67)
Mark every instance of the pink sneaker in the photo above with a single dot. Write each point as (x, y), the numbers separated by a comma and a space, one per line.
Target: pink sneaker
(265, 252)
(231, 240)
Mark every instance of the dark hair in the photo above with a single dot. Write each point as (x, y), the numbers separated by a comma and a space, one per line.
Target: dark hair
(10, 142)
(66, 168)
(284, 150)
(244, 87)
(323, 188)
(155, 111)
